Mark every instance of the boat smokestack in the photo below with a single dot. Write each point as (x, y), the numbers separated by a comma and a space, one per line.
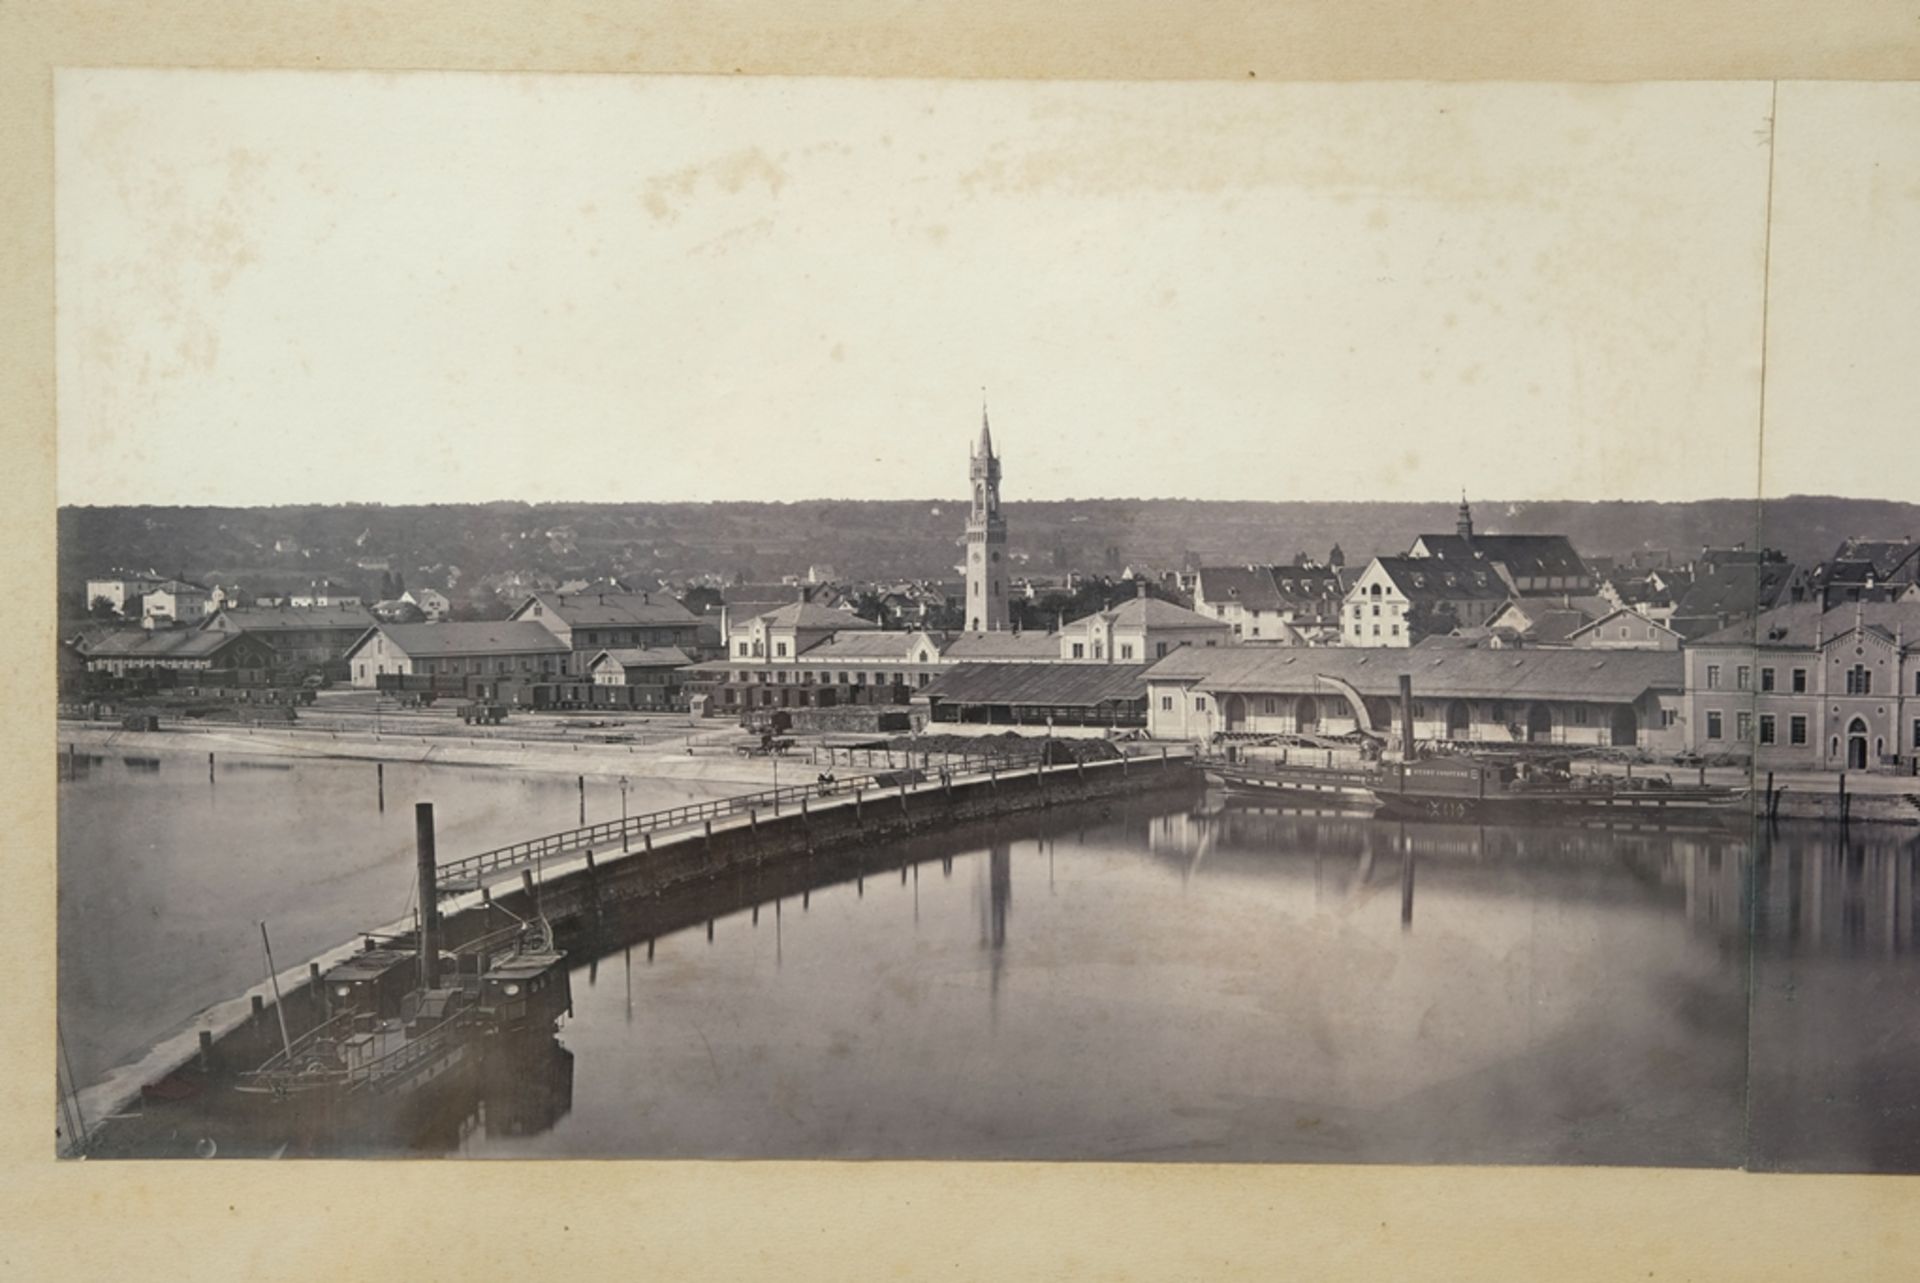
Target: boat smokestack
(429, 895)
(1406, 717)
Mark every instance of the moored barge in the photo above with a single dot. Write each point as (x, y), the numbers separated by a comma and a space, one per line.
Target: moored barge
(1488, 791)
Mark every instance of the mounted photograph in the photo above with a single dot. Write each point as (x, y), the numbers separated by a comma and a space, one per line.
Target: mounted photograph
(689, 617)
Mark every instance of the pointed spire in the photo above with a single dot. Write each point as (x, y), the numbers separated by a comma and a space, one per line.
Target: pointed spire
(1464, 525)
(986, 433)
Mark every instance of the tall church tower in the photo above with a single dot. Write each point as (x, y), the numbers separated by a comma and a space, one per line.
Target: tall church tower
(986, 540)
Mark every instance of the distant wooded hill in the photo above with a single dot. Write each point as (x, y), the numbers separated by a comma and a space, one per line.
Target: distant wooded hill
(349, 543)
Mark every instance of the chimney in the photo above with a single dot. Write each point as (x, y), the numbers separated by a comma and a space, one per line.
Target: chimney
(426, 871)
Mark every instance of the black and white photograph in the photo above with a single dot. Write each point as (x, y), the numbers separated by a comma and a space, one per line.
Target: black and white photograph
(697, 617)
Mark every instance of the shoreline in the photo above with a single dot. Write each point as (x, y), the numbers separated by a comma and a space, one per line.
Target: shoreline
(560, 757)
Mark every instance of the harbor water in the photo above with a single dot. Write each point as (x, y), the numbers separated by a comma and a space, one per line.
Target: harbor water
(1176, 979)
(165, 874)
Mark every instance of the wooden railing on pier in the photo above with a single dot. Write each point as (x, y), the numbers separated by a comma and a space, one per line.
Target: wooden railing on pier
(475, 871)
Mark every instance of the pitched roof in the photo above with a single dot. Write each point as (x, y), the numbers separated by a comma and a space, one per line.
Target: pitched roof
(1532, 555)
(1001, 645)
(1062, 685)
(1426, 580)
(1251, 586)
(1882, 560)
(1797, 626)
(812, 615)
(867, 645)
(491, 637)
(1438, 672)
(1611, 615)
(611, 608)
(645, 657)
(1148, 612)
(269, 619)
(1732, 589)
(167, 643)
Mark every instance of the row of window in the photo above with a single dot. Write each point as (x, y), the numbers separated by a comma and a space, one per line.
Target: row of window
(1859, 679)
(1769, 728)
(843, 677)
(1121, 650)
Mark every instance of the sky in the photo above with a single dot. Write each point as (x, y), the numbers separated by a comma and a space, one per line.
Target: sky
(284, 287)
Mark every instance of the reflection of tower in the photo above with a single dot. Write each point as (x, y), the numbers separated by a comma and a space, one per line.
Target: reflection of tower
(998, 903)
(986, 539)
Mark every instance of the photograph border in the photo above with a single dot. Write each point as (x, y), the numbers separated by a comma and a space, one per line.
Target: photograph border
(839, 1220)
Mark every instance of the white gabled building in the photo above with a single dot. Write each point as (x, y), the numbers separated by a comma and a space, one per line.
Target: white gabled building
(1396, 601)
(1138, 632)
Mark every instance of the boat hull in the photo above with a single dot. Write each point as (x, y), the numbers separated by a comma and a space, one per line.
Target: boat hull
(1609, 809)
(1294, 787)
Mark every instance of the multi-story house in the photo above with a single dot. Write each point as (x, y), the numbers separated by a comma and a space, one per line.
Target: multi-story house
(1284, 605)
(1803, 687)
(1529, 565)
(175, 602)
(1397, 601)
(1870, 569)
(589, 625)
(485, 658)
(432, 603)
(1139, 631)
(1728, 585)
(122, 591)
(1624, 629)
(314, 637)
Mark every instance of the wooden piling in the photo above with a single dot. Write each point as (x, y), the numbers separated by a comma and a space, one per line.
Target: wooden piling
(209, 768)
(206, 1050)
(259, 1004)
(583, 799)
(380, 782)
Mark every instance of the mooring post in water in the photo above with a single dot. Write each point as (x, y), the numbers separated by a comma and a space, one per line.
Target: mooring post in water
(1843, 797)
(856, 804)
(1406, 889)
(583, 799)
(1406, 717)
(380, 779)
(1769, 793)
(429, 895)
(709, 834)
(646, 843)
(209, 768)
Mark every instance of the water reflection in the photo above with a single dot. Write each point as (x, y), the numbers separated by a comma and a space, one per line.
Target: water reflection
(1221, 980)
(1207, 979)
